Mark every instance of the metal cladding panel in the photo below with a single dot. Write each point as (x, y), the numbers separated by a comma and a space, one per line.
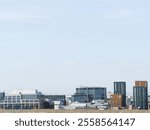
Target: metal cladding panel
(141, 83)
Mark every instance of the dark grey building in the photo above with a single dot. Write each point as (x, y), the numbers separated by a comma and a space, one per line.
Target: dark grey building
(90, 93)
(120, 88)
(79, 97)
(52, 98)
(140, 96)
(2, 96)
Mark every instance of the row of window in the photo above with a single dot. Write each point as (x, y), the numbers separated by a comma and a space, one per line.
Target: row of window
(18, 101)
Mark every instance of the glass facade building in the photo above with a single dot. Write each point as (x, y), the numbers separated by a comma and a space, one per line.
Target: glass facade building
(120, 88)
(52, 98)
(2, 96)
(90, 93)
(79, 97)
(140, 95)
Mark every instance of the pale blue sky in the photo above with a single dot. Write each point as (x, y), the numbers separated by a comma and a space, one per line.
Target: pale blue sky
(58, 45)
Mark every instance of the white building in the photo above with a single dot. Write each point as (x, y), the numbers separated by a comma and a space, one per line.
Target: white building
(23, 99)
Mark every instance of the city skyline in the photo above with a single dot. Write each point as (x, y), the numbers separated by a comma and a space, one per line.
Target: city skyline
(56, 46)
(87, 86)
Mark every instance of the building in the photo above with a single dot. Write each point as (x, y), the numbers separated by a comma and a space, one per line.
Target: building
(120, 88)
(61, 98)
(148, 101)
(68, 99)
(23, 99)
(2, 97)
(116, 100)
(129, 101)
(141, 83)
(140, 95)
(88, 94)
(79, 97)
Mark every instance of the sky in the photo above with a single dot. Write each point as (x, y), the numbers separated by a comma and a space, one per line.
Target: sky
(56, 46)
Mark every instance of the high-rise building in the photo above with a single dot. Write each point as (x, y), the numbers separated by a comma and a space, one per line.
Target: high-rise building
(140, 95)
(120, 88)
(141, 83)
(89, 94)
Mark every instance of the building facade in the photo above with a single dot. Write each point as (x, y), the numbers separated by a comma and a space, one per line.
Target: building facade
(140, 95)
(23, 99)
(120, 88)
(52, 98)
(79, 97)
(2, 97)
(90, 93)
(116, 100)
